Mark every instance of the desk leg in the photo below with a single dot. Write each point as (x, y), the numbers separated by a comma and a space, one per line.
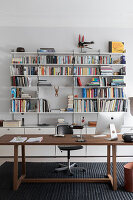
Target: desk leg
(114, 167)
(23, 160)
(108, 159)
(15, 174)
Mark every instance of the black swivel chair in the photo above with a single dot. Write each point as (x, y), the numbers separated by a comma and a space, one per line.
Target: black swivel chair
(66, 129)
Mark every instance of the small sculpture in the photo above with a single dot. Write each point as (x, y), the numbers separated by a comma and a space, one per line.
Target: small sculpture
(83, 44)
(56, 91)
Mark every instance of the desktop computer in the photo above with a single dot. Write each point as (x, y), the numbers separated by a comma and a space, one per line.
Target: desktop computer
(109, 122)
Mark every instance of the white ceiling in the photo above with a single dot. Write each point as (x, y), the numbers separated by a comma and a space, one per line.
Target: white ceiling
(67, 13)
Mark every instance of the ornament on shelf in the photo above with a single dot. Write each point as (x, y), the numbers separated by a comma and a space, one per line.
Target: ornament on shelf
(56, 90)
(83, 44)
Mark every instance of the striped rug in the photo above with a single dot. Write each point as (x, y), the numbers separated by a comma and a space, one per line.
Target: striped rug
(62, 191)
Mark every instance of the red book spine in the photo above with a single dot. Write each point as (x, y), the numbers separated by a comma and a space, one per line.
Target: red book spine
(79, 81)
(20, 105)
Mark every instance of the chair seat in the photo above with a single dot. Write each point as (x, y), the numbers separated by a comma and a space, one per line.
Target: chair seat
(70, 147)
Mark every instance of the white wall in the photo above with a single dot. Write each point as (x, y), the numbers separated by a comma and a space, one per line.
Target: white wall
(67, 13)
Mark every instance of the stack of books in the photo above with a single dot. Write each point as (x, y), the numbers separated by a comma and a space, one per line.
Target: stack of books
(106, 70)
(44, 83)
(94, 82)
(26, 96)
(12, 123)
(70, 103)
(118, 82)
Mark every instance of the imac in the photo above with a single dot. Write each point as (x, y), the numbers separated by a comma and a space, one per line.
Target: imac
(109, 122)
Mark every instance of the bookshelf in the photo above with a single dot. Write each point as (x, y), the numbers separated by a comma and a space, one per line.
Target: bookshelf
(95, 79)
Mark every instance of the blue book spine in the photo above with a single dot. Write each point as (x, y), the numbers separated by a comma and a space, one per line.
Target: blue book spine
(84, 93)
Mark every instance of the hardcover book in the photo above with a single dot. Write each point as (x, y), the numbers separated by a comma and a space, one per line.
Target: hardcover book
(116, 47)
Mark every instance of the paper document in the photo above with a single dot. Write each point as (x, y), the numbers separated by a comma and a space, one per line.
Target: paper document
(99, 135)
(59, 135)
(18, 139)
(35, 139)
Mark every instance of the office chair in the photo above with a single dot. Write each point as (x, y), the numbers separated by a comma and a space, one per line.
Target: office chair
(66, 129)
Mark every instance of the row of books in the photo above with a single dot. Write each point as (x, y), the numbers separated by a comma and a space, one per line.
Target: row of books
(25, 60)
(20, 81)
(29, 105)
(43, 105)
(100, 105)
(51, 59)
(103, 93)
(88, 59)
(23, 106)
(16, 92)
(23, 70)
(55, 70)
(43, 59)
(86, 71)
(55, 59)
(47, 70)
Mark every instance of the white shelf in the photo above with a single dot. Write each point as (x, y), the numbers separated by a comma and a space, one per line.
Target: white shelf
(63, 65)
(63, 112)
(42, 112)
(24, 87)
(100, 75)
(99, 53)
(66, 75)
(24, 64)
(91, 87)
(99, 98)
(55, 75)
(67, 53)
(25, 98)
(80, 65)
(42, 53)
(25, 75)
(23, 53)
(38, 65)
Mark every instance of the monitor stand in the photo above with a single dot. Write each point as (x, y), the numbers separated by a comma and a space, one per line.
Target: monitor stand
(113, 132)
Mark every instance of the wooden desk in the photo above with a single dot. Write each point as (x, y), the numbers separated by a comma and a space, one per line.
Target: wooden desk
(67, 140)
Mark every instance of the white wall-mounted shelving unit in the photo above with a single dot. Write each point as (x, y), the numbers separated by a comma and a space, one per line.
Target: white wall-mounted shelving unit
(67, 61)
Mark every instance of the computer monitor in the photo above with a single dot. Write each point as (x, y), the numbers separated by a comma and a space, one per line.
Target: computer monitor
(109, 122)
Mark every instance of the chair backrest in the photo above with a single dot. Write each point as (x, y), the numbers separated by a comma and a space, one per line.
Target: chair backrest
(64, 129)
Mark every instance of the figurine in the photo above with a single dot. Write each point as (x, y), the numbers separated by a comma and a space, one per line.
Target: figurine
(56, 91)
(83, 44)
